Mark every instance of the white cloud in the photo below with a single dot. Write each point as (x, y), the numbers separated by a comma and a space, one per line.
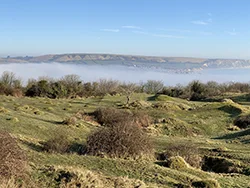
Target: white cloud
(233, 33)
(199, 22)
(111, 30)
(167, 36)
(210, 20)
(157, 35)
(131, 27)
(205, 33)
(176, 30)
(141, 32)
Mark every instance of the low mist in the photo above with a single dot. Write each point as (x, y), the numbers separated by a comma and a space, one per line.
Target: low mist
(127, 74)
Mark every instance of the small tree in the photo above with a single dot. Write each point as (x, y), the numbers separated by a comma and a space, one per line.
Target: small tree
(107, 87)
(128, 90)
(72, 83)
(197, 90)
(153, 86)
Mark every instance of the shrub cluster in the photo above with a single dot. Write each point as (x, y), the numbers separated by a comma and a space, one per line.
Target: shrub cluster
(71, 86)
(121, 135)
(197, 90)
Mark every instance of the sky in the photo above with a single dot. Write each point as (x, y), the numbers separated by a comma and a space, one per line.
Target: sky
(181, 28)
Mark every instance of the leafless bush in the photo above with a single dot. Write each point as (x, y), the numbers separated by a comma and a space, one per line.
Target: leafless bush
(58, 143)
(111, 116)
(122, 140)
(12, 158)
(188, 152)
(105, 86)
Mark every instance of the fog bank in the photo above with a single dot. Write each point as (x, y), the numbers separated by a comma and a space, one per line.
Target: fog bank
(127, 74)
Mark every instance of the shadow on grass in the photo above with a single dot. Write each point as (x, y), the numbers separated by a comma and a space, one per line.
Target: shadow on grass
(33, 146)
(232, 110)
(46, 120)
(162, 163)
(235, 135)
(74, 147)
(241, 98)
(152, 98)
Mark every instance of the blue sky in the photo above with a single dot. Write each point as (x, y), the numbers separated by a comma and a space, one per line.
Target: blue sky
(190, 28)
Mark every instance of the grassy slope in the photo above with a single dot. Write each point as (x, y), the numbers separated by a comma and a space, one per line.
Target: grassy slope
(209, 121)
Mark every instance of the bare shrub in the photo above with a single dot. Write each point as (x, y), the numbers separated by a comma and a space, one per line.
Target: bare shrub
(105, 86)
(141, 119)
(58, 143)
(122, 140)
(12, 158)
(110, 116)
(188, 152)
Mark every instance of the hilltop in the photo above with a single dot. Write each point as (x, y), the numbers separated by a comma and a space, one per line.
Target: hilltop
(167, 63)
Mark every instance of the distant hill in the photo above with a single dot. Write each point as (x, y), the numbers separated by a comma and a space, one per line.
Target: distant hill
(167, 63)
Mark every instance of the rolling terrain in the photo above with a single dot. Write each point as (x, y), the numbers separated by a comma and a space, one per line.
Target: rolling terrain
(207, 126)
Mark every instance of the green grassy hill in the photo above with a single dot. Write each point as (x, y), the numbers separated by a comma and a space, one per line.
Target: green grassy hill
(206, 125)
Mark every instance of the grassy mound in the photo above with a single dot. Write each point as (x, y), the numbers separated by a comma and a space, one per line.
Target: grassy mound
(177, 163)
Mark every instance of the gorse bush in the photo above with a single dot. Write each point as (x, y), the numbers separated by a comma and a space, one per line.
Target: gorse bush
(123, 140)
